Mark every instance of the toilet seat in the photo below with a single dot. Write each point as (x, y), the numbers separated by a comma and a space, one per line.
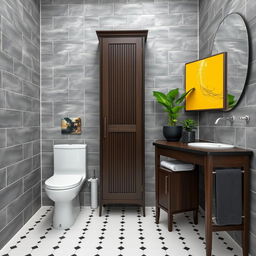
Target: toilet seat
(59, 182)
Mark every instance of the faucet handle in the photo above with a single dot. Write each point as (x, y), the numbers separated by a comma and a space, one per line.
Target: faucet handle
(246, 118)
(230, 118)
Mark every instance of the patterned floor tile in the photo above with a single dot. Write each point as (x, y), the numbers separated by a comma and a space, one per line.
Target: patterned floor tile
(121, 231)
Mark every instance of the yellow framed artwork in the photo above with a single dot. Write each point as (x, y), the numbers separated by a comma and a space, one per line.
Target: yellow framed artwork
(208, 78)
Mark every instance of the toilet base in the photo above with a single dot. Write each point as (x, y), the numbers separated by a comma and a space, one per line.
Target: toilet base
(65, 213)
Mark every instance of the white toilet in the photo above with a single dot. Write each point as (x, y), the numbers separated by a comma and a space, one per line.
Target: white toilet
(64, 186)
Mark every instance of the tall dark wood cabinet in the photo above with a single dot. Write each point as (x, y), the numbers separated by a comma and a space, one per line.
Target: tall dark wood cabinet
(122, 117)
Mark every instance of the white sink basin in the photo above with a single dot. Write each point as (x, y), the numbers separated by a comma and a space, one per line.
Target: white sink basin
(210, 145)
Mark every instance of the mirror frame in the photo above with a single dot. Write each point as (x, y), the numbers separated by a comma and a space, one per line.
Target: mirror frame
(248, 67)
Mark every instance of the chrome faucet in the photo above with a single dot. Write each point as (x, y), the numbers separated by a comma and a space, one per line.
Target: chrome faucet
(229, 118)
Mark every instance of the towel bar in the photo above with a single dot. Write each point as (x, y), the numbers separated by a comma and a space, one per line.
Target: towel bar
(215, 172)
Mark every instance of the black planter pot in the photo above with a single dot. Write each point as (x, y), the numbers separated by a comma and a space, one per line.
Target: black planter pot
(172, 133)
(188, 136)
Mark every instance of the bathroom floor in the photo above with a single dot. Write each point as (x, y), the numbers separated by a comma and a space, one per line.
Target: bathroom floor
(119, 232)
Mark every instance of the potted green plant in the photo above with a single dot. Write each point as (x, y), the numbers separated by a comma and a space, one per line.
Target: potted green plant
(188, 134)
(172, 104)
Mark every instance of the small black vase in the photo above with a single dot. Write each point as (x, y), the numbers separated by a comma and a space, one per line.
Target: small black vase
(188, 137)
(172, 133)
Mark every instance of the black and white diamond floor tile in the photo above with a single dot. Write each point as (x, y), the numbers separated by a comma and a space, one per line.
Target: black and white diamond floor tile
(119, 232)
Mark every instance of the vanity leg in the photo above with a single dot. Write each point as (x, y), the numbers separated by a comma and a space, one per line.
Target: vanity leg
(195, 216)
(245, 232)
(157, 215)
(157, 165)
(170, 220)
(100, 210)
(208, 169)
(144, 211)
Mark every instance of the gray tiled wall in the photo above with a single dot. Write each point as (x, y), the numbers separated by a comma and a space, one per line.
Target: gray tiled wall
(20, 177)
(70, 68)
(241, 134)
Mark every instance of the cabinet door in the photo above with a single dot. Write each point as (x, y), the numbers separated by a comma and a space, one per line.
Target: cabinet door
(122, 118)
(163, 184)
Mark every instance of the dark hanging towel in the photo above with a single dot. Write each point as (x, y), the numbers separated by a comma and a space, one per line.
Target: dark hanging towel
(228, 196)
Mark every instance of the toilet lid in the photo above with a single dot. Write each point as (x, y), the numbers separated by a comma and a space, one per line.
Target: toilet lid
(63, 181)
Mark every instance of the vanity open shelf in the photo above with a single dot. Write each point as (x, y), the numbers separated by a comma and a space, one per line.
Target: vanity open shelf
(210, 159)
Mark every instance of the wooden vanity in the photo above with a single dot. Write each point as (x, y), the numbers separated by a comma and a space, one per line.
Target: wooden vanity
(210, 159)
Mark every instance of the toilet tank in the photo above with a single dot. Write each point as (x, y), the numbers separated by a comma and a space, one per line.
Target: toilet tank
(70, 159)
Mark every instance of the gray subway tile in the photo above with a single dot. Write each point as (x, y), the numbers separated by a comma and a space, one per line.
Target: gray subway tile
(46, 47)
(70, 46)
(117, 20)
(76, 10)
(36, 161)
(54, 59)
(31, 90)
(36, 204)
(99, 10)
(36, 147)
(2, 138)
(17, 101)
(11, 82)
(91, 22)
(11, 47)
(10, 155)
(3, 175)
(10, 230)
(22, 71)
(32, 179)
(36, 190)
(55, 34)
(155, 8)
(31, 119)
(35, 105)
(3, 218)
(250, 137)
(2, 97)
(10, 193)
(27, 213)
(61, 83)
(18, 205)
(168, 20)
(6, 62)
(128, 9)
(27, 150)
(69, 70)
(10, 118)
(183, 7)
(47, 159)
(19, 170)
(54, 10)
(54, 95)
(68, 22)
(22, 135)
(68, 1)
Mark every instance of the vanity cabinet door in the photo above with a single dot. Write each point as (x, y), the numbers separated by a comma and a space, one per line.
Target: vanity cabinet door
(163, 188)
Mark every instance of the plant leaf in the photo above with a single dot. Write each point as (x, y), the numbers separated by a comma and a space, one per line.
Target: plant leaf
(177, 109)
(172, 94)
(161, 98)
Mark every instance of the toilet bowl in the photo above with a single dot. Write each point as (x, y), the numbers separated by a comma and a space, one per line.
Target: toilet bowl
(64, 186)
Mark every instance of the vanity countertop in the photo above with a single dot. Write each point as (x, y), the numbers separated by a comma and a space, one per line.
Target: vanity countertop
(179, 146)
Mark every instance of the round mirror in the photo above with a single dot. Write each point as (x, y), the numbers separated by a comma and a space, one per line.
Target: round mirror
(232, 37)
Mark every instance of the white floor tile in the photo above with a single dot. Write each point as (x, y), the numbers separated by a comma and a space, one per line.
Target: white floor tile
(119, 232)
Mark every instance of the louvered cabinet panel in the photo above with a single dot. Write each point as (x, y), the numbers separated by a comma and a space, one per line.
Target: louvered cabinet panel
(122, 117)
